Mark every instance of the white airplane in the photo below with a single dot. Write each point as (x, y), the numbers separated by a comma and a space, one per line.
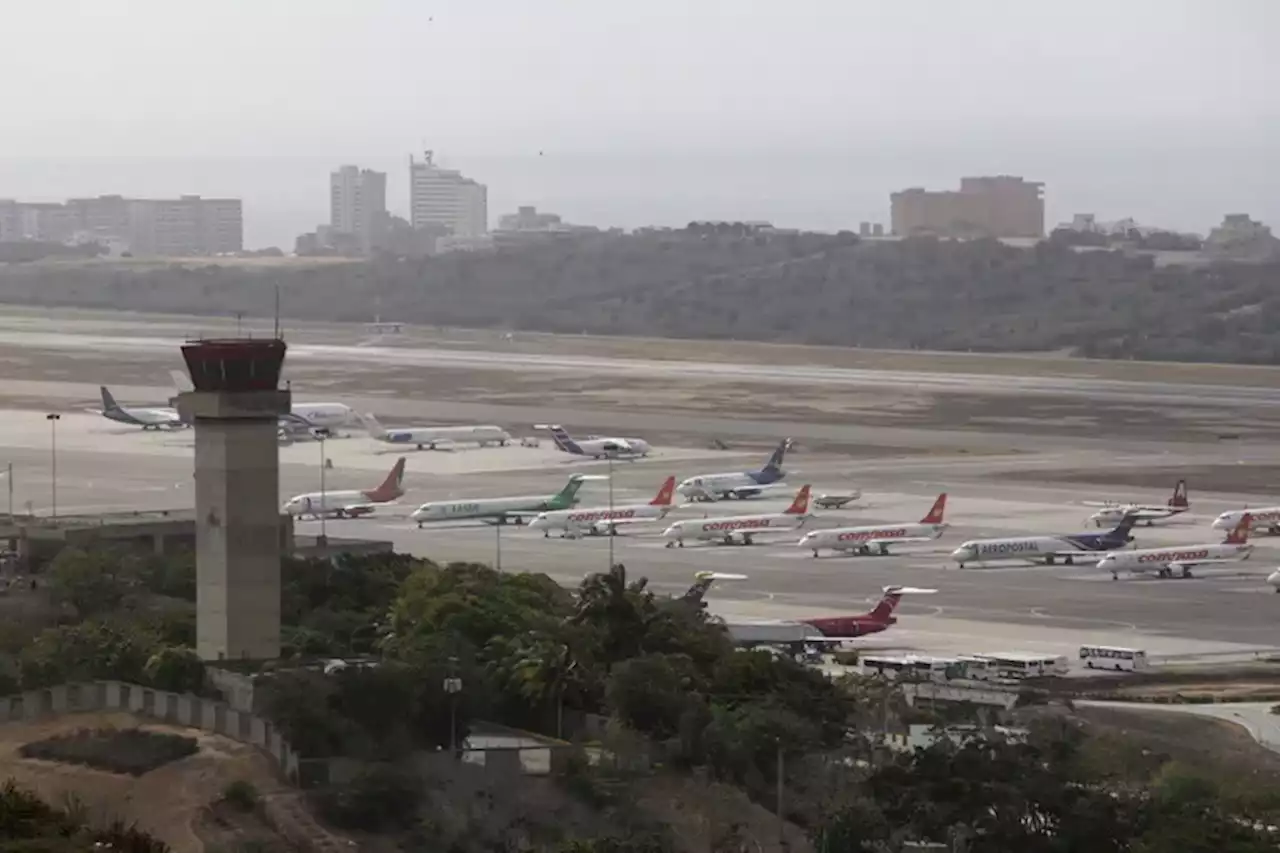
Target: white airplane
(738, 484)
(598, 447)
(866, 539)
(500, 510)
(1263, 518)
(742, 528)
(321, 417)
(436, 437)
(1274, 579)
(573, 523)
(348, 503)
(1114, 513)
(836, 500)
(1069, 547)
(156, 418)
(1181, 559)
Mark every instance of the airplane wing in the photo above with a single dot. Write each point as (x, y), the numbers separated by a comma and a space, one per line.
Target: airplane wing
(355, 510)
(1081, 556)
(607, 525)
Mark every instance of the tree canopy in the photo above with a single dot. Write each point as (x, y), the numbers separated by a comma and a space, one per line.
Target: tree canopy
(728, 283)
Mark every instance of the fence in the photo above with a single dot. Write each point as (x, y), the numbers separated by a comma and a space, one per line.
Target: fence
(160, 705)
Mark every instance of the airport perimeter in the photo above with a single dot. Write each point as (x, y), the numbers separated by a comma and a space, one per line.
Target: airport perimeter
(1011, 479)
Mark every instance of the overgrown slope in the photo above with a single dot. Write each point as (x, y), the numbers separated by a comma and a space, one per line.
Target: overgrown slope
(805, 288)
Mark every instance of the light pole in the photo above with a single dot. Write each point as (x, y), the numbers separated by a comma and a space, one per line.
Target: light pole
(53, 418)
(453, 686)
(324, 509)
(8, 475)
(611, 528)
(497, 538)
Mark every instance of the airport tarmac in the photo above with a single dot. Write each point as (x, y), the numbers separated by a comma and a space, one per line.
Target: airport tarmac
(1006, 607)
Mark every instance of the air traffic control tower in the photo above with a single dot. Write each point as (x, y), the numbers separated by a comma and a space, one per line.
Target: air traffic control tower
(235, 409)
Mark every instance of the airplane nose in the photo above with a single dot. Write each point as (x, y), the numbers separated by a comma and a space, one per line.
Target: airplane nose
(671, 532)
(962, 554)
(1274, 579)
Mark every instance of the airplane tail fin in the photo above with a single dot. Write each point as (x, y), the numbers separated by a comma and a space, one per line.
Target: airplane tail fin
(1240, 535)
(565, 442)
(371, 424)
(665, 493)
(1121, 530)
(181, 381)
(1179, 499)
(800, 505)
(883, 611)
(936, 512)
(108, 402)
(775, 461)
(570, 490)
(393, 486)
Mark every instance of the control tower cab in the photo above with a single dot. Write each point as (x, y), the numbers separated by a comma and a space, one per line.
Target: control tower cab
(235, 408)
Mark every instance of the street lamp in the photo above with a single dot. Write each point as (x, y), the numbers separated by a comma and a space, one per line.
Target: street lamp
(611, 528)
(53, 418)
(324, 509)
(453, 686)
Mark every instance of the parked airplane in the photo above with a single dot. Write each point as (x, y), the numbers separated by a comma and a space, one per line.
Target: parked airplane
(702, 582)
(348, 503)
(742, 528)
(500, 510)
(867, 539)
(148, 418)
(836, 501)
(738, 484)
(1263, 518)
(435, 437)
(878, 619)
(319, 417)
(598, 447)
(1181, 559)
(1070, 547)
(573, 523)
(1114, 513)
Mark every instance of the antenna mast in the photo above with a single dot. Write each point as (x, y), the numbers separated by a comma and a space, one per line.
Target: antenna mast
(277, 314)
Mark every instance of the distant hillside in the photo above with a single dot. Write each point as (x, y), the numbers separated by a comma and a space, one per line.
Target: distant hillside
(803, 288)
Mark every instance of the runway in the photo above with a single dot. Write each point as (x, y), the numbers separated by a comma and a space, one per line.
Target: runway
(382, 355)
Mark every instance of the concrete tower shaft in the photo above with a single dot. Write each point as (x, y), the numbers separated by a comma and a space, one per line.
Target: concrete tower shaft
(235, 407)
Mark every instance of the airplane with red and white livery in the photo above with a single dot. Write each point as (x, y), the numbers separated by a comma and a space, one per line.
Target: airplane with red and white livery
(1262, 518)
(573, 523)
(869, 539)
(741, 529)
(1181, 559)
(1113, 513)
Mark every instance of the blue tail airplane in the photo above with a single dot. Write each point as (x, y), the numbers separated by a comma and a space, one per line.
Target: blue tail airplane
(741, 484)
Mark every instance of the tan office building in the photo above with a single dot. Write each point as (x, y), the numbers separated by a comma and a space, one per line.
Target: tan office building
(1000, 206)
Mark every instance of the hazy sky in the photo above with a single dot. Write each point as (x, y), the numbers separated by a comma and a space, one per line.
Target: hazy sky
(930, 87)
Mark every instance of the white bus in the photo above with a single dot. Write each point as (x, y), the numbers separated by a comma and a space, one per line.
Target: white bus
(1024, 665)
(1111, 657)
(913, 668)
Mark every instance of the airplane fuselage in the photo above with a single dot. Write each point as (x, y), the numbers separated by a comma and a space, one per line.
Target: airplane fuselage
(868, 539)
(481, 508)
(1112, 516)
(338, 503)
(1265, 518)
(590, 519)
(1046, 549)
(731, 530)
(431, 437)
(1163, 560)
(730, 484)
(145, 418)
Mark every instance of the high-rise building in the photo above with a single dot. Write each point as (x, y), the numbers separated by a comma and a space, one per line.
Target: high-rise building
(189, 225)
(358, 205)
(443, 198)
(1000, 206)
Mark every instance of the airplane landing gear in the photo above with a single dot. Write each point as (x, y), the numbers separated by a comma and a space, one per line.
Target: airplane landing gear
(815, 554)
(1070, 561)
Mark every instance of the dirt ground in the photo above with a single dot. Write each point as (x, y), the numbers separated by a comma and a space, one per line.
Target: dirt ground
(169, 802)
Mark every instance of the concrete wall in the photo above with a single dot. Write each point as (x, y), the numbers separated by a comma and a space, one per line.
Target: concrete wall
(159, 705)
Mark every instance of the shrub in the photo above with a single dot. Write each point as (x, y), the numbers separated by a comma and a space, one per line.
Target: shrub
(241, 795)
(132, 751)
(380, 798)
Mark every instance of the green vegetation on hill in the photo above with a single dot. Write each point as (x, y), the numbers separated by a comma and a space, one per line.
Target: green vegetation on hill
(804, 288)
(668, 698)
(30, 825)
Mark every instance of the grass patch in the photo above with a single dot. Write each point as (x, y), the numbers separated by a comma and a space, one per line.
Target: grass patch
(131, 751)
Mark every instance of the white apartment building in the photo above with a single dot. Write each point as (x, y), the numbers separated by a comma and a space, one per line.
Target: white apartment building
(358, 205)
(444, 199)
